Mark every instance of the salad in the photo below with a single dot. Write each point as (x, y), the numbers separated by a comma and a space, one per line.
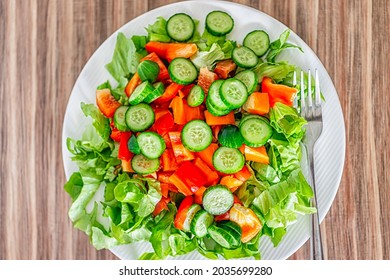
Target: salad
(195, 147)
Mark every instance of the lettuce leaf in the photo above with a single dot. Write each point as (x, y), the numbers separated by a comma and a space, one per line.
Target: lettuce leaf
(157, 31)
(208, 58)
(124, 61)
(277, 71)
(277, 46)
(286, 120)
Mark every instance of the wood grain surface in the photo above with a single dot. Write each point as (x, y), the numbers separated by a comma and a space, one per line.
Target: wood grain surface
(43, 47)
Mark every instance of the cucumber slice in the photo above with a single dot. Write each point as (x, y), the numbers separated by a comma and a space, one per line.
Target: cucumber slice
(214, 98)
(159, 89)
(230, 136)
(244, 57)
(139, 117)
(255, 131)
(196, 135)
(192, 210)
(219, 23)
(257, 41)
(233, 93)
(234, 226)
(224, 237)
(148, 71)
(140, 93)
(249, 78)
(215, 111)
(200, 223)
(252, 116)
(180, 27)
(195, 97)
(143, 165)
(217, 200)
(228, 160)
(119, 118)
(182, 71)
(234, 230)
(151, 144)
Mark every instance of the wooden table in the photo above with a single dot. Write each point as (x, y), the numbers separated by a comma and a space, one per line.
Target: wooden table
(45, 44)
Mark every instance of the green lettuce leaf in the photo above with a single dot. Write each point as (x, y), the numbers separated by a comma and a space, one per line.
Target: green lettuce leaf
(286, 120)
(157, 31)
(277, 46)
(124, 61)
(277, 71)
(208, 58)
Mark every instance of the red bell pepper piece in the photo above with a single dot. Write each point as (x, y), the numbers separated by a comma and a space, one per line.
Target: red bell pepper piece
(116, 134)
(243, 174)
(181, 153)
(169, 161)
(180, 184)
(210, 174)
(169, 93)
(124, 152)
(181, 214)
(161, 205)
(191, 174)
(164, 124)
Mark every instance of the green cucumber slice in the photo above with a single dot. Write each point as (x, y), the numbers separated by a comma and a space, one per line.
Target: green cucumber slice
(140, 93)
(180, 27)
(255, 131)
(151, 144)
(219, 23)
(196, 96)
(249, 78)
(200, 223)
(244, 57)
(182, 71)
(257, 41)
(143, 165)
(217, 199)
(119, 118)
(139, 117)
(233, 93)
(196, 135)
(228, 160)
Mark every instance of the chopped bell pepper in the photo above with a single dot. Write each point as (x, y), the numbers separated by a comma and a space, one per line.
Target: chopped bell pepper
(181, 214)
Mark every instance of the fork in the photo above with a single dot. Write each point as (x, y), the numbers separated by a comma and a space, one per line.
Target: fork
(311, 110)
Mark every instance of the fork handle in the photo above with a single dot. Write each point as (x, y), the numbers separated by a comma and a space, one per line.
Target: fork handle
(315, 239)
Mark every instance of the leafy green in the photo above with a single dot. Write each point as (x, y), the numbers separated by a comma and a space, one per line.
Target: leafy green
(124, 61)
(287, 121)
(277, 46)
(208, 58)
(157, 31)
(277, 71)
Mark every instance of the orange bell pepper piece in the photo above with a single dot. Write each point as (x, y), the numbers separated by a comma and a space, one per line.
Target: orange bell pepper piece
(134, 82)
(278, 93)
(257, 103)
(207, 154)
(258, 154)
(106, 102)
(213, 120)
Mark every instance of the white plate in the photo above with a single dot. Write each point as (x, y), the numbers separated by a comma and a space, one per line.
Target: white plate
(330, 150)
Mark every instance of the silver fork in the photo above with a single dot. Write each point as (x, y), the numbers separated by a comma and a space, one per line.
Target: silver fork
(311, 110)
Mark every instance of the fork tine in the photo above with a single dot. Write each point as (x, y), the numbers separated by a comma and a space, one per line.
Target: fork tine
(294, 85)
(317, 89)
(302, 93)
(309, 92)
